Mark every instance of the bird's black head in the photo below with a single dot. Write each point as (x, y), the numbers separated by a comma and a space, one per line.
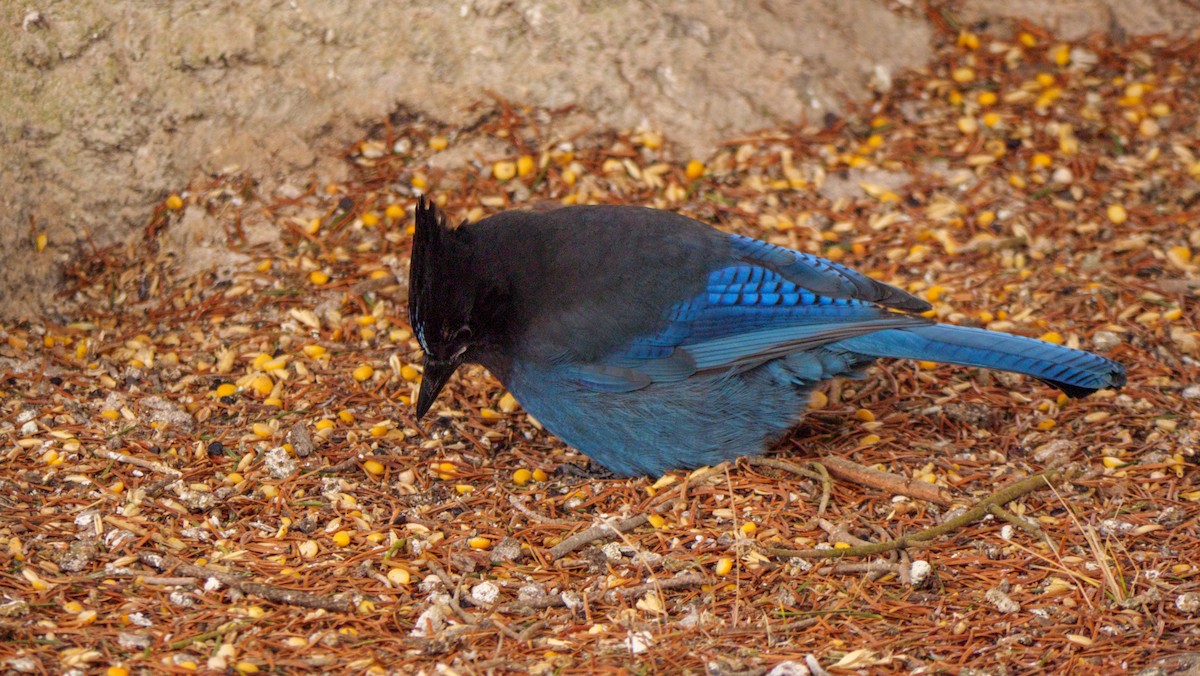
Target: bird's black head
(451, 299)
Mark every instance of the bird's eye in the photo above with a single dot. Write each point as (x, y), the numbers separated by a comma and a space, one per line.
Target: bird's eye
(463, 334)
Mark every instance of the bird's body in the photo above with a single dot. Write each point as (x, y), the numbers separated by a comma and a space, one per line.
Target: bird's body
(650, 341)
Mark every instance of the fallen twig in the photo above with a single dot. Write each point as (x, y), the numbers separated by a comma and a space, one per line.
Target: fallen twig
(819, 474)
(978, 511)
(292, 597)
(860, 474)
(534, 516)
(136, 462)
(603, 531)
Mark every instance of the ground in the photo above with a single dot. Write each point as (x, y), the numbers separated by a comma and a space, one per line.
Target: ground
(212, 461)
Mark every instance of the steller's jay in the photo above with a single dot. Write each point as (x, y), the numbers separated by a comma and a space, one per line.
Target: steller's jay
(650, 341)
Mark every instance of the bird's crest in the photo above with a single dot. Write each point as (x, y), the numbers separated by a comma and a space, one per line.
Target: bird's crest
(429, 244)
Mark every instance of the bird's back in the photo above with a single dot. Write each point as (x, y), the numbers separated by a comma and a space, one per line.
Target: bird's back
(586, 280)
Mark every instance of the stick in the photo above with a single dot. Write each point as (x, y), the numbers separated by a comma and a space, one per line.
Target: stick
(860, 474)
(293, 597)
(977, 512)
(137, 462)
(680, 581)
(534, 516)
(601, 532)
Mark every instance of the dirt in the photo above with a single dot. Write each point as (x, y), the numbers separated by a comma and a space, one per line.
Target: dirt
(111, 106)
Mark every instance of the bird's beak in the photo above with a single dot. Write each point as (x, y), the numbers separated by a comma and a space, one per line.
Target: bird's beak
(432, 381)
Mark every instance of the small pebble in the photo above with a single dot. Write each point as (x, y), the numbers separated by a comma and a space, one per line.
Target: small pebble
(1188, 602)
(1002, 601)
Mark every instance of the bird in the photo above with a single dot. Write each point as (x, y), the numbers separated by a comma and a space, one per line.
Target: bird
(652, 342)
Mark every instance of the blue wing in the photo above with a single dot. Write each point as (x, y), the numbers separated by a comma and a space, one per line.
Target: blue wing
(767, 303)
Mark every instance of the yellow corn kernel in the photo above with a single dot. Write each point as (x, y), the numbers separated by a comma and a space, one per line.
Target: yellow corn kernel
(1117, 214)
(410, 373)
(373, 467)
(73, 607)
(463, 489)
(504, 170)
(1111, 462)
(962, 74)
(818, 400)
(864, 415)
(109, 414)
(874, 140)
(370, 219)
(318, 277)
(1046, 80)
(399, 576)
(656, 520)
(1160, 110)
(1017, 181)
(525, 165)
(35, 581)
(490, 414)
(724, 566)
(968, 40)
(363, 372)
(262, 385)
(540, 475)
(346, 416)
(439, 143)
(652, 140)
(1027, 39)
(479, 543)
(308, 549)
(522, 476)
(869, 439)
(116, 671)
(1061, 55)
(246, 668)
(1040, 161)
(313, 227)
(1180, 255)
(986, 98)
(749, 528)
(233, 478)
(269, 491)
(174, 202)
(968, 125)
(694, 169)
(379, 430)
(1045, 424)
(394, 212)
(1052, 337)
(324, 424)
(955, 98)
(507, 403)
(365, 320)
(273, 401)
(926, 365)
(1173, 314)
(41, 241)
(314, 351)
(341, 538)
(991, 119)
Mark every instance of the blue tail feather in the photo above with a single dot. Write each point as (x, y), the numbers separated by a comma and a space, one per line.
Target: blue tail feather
(1075, 372)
